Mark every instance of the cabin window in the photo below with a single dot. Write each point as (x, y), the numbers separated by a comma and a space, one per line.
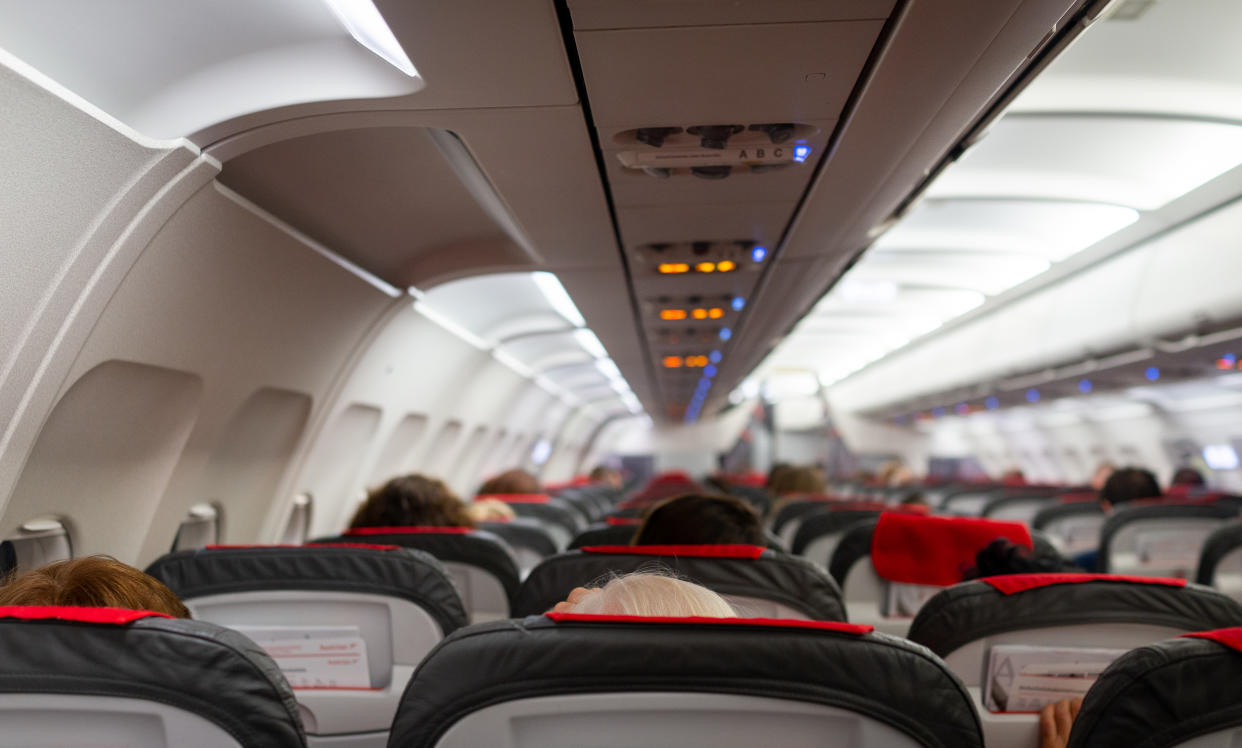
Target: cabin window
(199, 529)
(39, 542)
(298, 525)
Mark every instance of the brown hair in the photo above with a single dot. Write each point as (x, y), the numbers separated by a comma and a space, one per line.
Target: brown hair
(92, 582)
(799, 479)
(511, 481)
(412, 500)
(698, 519)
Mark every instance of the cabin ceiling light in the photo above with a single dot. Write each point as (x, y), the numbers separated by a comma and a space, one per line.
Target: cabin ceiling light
(858, 291)
(608, 368)
(590, 343)
(552, 290)
(363, 21)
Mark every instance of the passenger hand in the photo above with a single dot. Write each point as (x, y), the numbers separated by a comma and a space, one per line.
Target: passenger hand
(577, 595)
(1055, 721)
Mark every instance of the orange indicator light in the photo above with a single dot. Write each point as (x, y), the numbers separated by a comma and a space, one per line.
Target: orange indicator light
(673, 267)
(725, 266)
(699, 314)
(672, 314)
(706, 267)
(715, 312)
(672, 362)
(696, 361)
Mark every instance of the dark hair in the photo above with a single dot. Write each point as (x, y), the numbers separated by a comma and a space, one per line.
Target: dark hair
(1002, 556)
(511, 481)
(700, 519)
(412, 500)
(1187, 476)
(1128, 484)
(92, 582)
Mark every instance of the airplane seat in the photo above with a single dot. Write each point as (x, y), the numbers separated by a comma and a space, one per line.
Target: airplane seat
(482, 566)
(1017, 507)
(1073, 526)
(963, 623)
(1161, 539)
(612, 531)
(1220, 561)
(109, 676)
(818, 534)
(1173, 693)
(390, 603)
(570, 680)
(888, 567)
(561, 521)
(790, 516)
(591, 505)
(758, 582)
(527, 537)
(968, 502)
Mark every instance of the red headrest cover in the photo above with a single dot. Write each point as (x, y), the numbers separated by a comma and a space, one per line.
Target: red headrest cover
(1230, 637)
(914, 549)
(516, 498)
(793, 623)
(307, 545)
(700, 551)
(614, 521)
(81, 614)
(1015, 583)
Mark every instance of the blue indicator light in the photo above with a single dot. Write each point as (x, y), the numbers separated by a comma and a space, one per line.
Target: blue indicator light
(938, 412)
(991, 403)
(1085, 386)
(801, 152)
(725, 333)
(1032, 395)
(714, 357)
(709, 371)
(759, 254)
(704, 385)
(738, 303)
(962, 409)
(1152, 373)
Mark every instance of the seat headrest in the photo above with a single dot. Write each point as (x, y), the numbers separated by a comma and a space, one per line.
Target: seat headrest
(623, 521)
(965, 612)
(409, 530)
(516, 498)
(914, 549)
(692, 551)
(857, 629)
(885, 678)
(388, 570)
(1230, 637)
(195, 666)
(742, 571)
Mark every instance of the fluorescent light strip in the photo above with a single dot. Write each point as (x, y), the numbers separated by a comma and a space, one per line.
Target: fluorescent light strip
(443, 321)
(590, 343)
(363, 22)
(552, 290)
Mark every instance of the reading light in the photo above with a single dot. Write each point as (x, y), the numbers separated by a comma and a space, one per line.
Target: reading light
(758, 254)
(709, 371)
(738, 303)
(363, 21)
(1032, 395)
(715, 357)
(672, 362)
(668, 268)
(1227, 362)
(590, 343)
(725, 333)
(715, 312)
(938, 412)
(1085, 386)
(552, 290)
(801, 152)
(962, 409)
(1152, 373)
(991, 403)
(706, 267)
(672, 314)
(725, 266)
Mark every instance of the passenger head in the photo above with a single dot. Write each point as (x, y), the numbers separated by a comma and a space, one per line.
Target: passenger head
(644, 594)
(1002, 556)
(511, 481)
(490, 510)
(914, 498)
(412, 500)
(1013, 477)
(1128, 484)
(700, 519)
(797, 480)
(606, 475)
(774, 474)
(1101, 474)
(92, 582)
(1187, 476)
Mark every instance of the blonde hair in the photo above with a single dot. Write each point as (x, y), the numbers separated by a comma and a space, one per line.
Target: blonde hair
(645, 594)
(490, 510)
